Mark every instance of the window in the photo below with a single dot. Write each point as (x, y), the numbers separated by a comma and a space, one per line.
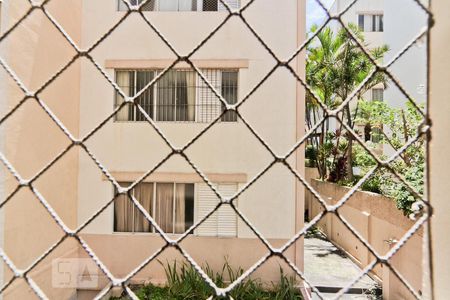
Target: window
(177, 5)
(132, 82)
(210, 5)
(361, 22)
(178, 96)
(181, 5)
(376, 131)
(377, 23)
(170, 204)
(370, 22)
(377, 94)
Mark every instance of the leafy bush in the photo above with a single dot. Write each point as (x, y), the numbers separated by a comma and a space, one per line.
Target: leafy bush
(310, 156)
(311, 152)
(404, 198)
(402, 125)
(185, 283)
(335, 66)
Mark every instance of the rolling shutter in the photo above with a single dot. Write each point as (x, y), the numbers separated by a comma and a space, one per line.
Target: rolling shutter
(207, 200)
(224, 221)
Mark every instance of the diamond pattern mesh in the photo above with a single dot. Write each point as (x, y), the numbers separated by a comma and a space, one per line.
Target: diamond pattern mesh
(280, 63)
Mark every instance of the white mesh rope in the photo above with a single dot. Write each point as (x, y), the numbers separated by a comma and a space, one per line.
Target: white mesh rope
(271, 251)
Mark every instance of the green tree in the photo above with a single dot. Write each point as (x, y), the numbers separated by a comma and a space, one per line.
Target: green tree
(335, 67)
(396, 127)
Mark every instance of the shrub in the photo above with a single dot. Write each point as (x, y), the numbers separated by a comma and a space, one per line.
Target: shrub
(185, 283)
(311, 152)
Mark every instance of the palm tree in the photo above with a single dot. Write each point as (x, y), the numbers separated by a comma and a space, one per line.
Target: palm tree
(321, 78)
(335, 67)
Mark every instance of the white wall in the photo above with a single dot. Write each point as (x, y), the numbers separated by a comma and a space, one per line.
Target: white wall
(3, 111)
(373, 39)
(227, 147)
(404, 19)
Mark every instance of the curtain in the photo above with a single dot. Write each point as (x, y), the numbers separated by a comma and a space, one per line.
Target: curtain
(185, 96)
(168, 5)
(234, 4)
(191, 92)
(123, 214)
(125, 80)
(187, 5)
(166, 97)
(208, 104)
(164, 206)
(180, 209)
(146, 99)
(144, 194)
(181, 95)
(150, 6)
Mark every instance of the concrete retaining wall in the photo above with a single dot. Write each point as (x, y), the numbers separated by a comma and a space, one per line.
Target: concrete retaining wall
(379, 222)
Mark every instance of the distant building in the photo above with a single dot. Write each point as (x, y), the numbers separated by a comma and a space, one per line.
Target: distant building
(379, 20)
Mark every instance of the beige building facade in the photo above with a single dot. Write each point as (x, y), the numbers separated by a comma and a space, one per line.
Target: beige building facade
(179, 107)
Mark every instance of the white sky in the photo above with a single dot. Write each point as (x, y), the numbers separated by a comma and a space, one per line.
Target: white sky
(314, 13)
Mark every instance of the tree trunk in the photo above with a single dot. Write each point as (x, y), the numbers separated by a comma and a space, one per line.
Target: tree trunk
(349, 167)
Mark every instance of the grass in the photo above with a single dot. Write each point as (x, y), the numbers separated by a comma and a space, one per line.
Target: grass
(185, 283)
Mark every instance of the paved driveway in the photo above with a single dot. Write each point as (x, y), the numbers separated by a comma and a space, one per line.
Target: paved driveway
(330, 269)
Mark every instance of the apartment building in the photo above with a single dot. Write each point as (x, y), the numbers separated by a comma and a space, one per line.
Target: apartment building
(179, 106)
(368, 15)
(379, 20)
